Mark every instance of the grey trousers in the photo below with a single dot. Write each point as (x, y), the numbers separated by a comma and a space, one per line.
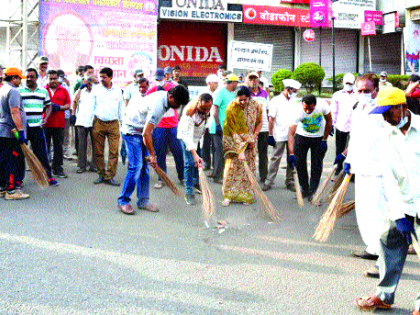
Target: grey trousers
(218, 157)
(393, 249)
(275, 163)
(82, 134)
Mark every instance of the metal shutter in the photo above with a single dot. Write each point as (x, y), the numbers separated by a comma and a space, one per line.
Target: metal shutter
(346, 42)
(386, 53)
(280, 37)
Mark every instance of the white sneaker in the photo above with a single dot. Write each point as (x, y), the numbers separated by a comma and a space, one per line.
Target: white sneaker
(158, 185)
(15, 195)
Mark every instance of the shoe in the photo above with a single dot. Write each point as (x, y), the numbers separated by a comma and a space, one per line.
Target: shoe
(52, 182)
(182, 182)
(81, 170)
(126, 209)
(364, 255)
(291, 187)
(60, 173)
(158, 185)
(112, 182)
(2, 193)
(371, 303)
(372, 272)
(99, 180)
(67, 157)
(16, 194)
(190, 199)
(197, 189)
(266, 187)
(150, 207)
(225, 202)
(411, 250)
(74, 153)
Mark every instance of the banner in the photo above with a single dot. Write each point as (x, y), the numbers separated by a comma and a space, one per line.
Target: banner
(412, 47)
(320, 12)
(261, 14)
(350, 14)
(374, 16)
(198, 55)
(368, 29)
(120, 34)
(251, 56)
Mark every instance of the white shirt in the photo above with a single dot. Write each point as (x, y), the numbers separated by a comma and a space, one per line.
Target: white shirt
(280, 108)
(107, 102)
(401, 157)
(311, 125)
(189, 132)
(365, 136)
(85, 109)
(342, 104)
(264, 117)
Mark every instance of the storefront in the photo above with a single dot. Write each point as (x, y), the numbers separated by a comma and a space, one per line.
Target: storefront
(386, 53)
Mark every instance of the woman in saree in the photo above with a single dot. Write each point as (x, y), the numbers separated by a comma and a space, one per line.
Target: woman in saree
(240, 132)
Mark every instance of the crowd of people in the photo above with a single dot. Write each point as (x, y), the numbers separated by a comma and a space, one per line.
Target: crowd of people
(222, 130)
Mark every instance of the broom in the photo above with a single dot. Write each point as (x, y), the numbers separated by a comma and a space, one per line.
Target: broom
(327, 222)
(298, 191)
(338, 180)
(208, 200)
(316, 200)
(38, 171)
(165, 178)
(268, 206)
(346, 208)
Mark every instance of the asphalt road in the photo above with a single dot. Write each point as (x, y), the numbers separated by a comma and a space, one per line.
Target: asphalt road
(68, 250)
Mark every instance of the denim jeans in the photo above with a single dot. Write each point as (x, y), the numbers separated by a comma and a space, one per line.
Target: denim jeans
(137, 173)
(190, 171)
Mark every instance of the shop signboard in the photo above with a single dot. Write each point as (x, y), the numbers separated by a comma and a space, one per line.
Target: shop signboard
(251, 56)
(390, 22)
(201, 10)
(309, 35)
(269, 15)
(350, 14)
(120, 34)
(320, 12)
(368, 28)
(374, 16)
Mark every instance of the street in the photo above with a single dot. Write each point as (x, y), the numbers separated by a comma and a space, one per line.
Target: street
(68, 250)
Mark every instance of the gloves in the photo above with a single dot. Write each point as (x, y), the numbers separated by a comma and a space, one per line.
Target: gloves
(346, 168)
(339, 159)
(323, 146)
(405, 228)
(332, 131)
(22, 137)
(82, 86)
(271, 141)
(219, 130)
(72, 120)
(291, 160)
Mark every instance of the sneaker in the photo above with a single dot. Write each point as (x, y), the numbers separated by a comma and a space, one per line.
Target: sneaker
(190, 199)
(60, 173)
(16, 194)
(158, 185)
(68, 157)
(2, 192)
(197, 189)
(52, 182)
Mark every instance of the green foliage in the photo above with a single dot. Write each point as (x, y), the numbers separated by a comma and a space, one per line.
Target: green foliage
(398, 80)
(278, 77)
(339, 80)
(310, 75)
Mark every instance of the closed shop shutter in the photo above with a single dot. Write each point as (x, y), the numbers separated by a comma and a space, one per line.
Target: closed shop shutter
(280, 37)
(346, 42)
(386, 53)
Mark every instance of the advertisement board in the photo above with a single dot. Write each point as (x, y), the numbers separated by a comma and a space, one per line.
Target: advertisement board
(251, 56)
(198, 55)
(120, 34)
(268, 15)
(320, 13)
(412, 47)
(350, 13)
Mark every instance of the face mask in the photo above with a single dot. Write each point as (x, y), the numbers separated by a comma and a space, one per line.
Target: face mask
(382, 80)
(364, 98)
(60, 80)
(403, 121)
(292, 95)
(160, 83)
(349, 87)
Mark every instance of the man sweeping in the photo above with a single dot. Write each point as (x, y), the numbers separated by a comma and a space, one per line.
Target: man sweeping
(399, 159)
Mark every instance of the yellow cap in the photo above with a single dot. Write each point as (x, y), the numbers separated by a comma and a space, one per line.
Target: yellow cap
(232, 78)
(388, 97)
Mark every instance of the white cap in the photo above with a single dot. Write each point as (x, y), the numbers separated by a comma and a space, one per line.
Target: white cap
(292, 84)
(264, 81)
(212, 78)
(349, 78)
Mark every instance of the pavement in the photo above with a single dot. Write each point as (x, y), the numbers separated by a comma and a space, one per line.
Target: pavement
(68, 250)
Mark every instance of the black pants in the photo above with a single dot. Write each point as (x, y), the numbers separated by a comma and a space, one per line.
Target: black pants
(36, 137)
(11, 163)
(302, 146)
(207, 149)
(262, 155)
(219, 159)
(57, 136)
(341, 141)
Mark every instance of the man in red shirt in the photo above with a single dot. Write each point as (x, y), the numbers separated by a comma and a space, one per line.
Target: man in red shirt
(54, 127)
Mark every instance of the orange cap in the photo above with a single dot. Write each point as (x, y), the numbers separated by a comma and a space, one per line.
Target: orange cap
(14, 71)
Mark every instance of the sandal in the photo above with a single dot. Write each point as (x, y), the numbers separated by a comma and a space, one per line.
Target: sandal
(371, 303)
(246, 203)
(225, 202)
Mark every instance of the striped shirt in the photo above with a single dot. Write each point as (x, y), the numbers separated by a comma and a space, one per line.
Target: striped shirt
(34, 103)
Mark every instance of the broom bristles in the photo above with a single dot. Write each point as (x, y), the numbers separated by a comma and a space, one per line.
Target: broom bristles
(318, 195)
(208, 200)
(38, 171)
(329, 218)
(267, 205)
(299, 196)
(346, 208)
(168, 182)
(338, 180)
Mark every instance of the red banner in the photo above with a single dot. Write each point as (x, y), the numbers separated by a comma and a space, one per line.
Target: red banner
(321, 13)
(198, 48)
(296, 1)
(262, 14)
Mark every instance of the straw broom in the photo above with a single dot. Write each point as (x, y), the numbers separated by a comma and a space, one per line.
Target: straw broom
(38, 171)
(165, 178)
(298, 191)
(208, 200)
(268, 206)
(327, 222)
(316, 200)
(346, 208)
(338, 180)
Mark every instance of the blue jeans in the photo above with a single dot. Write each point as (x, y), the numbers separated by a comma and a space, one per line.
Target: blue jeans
(161, 138)
(190, 171)
(137, 173)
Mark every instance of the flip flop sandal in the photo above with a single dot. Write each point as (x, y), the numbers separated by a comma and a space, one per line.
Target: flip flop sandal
(371, 303)
(226, 202)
